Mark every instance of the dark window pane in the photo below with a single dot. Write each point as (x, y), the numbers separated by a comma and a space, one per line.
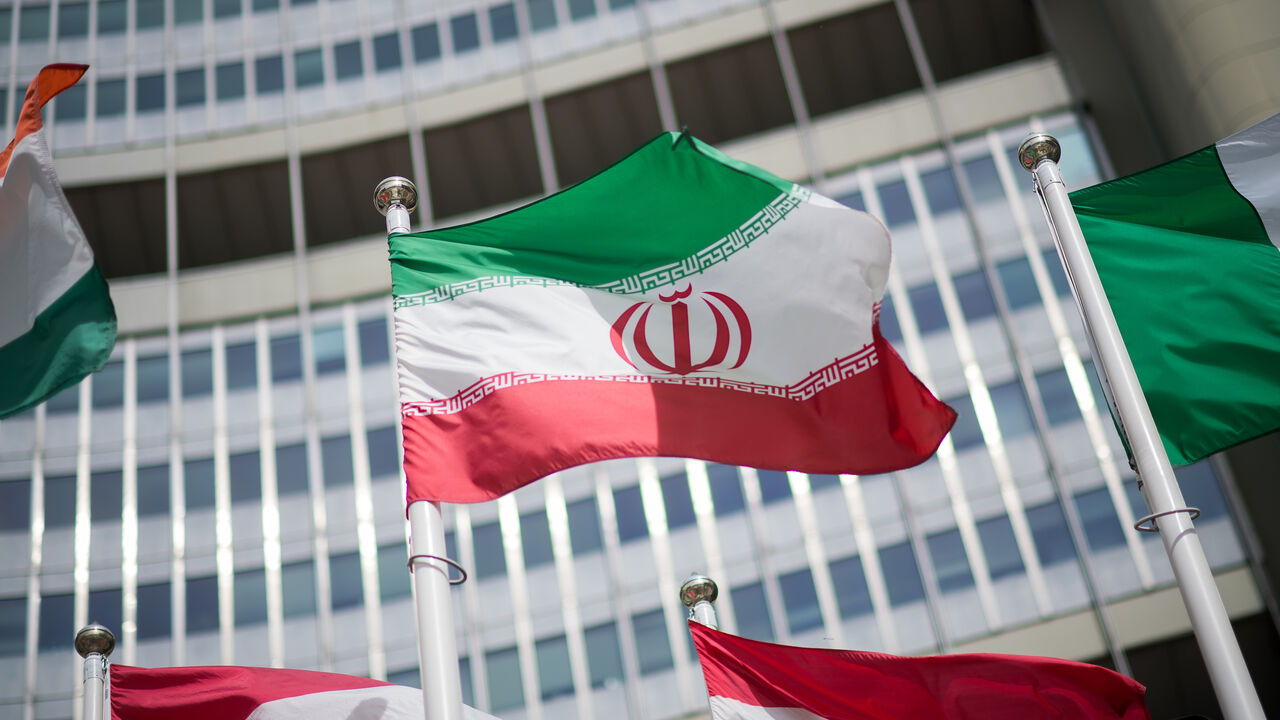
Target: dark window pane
(308, 68)
(491, 561)
(190, 87)
(1056, 272)
(153, 379)
(269, 74)
(347, 61)
(853, 200)
(202, 604)
(1059, 399)
(155, 611)
(726, 489)
(374, 349)
(112, 16)
(582, 9)
(197, 476)
(242, 366)
(584, 526)
(1012, 411)
(57, 619)
(966, 433)
(652, 646)
(328, 348)
(889, 327)
(871, 40)
(896, 203)
(482, 162)
(901, 574)
(106, 496)
(592, 127)
(108, 385)
(345, 588)
(426, 42)
(1018, 282)
(984, 180)
(960, 40)
(464, 672)
(542, 14)
(730, 92)
(197, 373)
(15, 506)
(226, 8)
(621, 4)
(72, 104)
(286, 358)
(751, 609)
(502, 22)
(110, 98)
(229, 81)
(926, 303)
(677, 500)
(604, 654)
(1051, 534)
(251, 597)
(949, 561)
(393, 572)
(291, 469)
(149, 14)
(186, 12)
(246, 476)
(60, 501)
(265, 5)
(33, 23)
(774, 486)
(386, 52)
(298, 588)
(506, 686)
(13, 626)
(535, 537)
(1000, 547)
(335, 458)
(940, 191)
(150, 93)
(555, 679)
(466, 32)
(384, 461)
(822, 481)
(629, 507)
(1201, 489)
(106, 607)
(1101, 524)
(975, 295)
(153, 490)
(66, 401)
(800, 598)
(850, 584)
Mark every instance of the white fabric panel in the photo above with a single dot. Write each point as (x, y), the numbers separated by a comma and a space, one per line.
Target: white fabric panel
(1251, 158)
(388, 702)
(723, 708)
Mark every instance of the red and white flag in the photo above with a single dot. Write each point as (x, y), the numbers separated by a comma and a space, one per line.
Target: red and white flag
(752, 680)
(225, 692)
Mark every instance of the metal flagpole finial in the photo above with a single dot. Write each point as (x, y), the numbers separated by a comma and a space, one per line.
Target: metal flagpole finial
(95, 638)
(1037, 147)
(395, 190)
(698, 593)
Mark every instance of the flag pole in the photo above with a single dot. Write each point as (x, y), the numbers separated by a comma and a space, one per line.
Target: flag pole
(699, 594)
(95, 643)
(1170, 515)
(396, 197)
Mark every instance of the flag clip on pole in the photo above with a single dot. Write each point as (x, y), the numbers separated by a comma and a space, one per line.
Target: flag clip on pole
(699, 594)
(1039, 154)
(396, 197)
(95, 643)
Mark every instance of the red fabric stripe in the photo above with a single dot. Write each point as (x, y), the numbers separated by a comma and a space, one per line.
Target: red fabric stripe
(848, 685)
(879, 420)
(215, 692)
(51, 80)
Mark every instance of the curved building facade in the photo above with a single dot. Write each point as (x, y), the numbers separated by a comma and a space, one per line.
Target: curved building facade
(227, 489)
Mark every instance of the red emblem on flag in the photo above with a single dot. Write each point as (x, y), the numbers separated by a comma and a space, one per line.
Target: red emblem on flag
(690, 324)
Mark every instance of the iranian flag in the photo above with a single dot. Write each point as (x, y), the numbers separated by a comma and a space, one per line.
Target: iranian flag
(753, 680)
(1189, 255)
(57, 323)
(679, 303)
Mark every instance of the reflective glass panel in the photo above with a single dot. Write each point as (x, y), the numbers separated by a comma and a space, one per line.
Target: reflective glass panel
(466, 32)
(33, 23)
(106, 496)
(850, 584)
(384, 461)
(949, 561)
(555, 678)
(901, 574)
(308, 68)
(542, 14)
(889, 327)
(57, 622)
(426, 42)
(328, 348)
(286, 358)
(202, 604)
(59, 501)
(582, 9)
(1000, 547)
(229, 85)
(347, 61)
(291, 469)
(13, 626)
(197, 373)
(298, 582)
(15, 506)
(197, 479)
(1051, 534)
(106, 607)
(506, 686)
(242, 366)
(584, 526)
(150, 93)
(628, 505)
(335, 456)
(393, 572)
(677, 501)
(153, 490)
(535, 538)
(1059, 399)
(1102, 527)
(966, 433)
(604, 654)
(386, 52)
(149, 14)
(108, 383)
(976, 301)
(1012, 410)
(269, 76)
(110, 98)
(153, 379)
(155, 611)
(896, 202)
(652, 646)
(190, 84)
(1018, 282)
(726, 489)
(72, 104)
(751, 609)
(251, 597)
(502, 22)
(926, 304)
(112, 16)
(774, 486)
(800, 598)
(345, 584)
(374, 349)
(490, 558)
(246, 476)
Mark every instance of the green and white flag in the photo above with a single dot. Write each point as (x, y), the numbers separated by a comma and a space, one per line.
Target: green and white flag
(57, 323)
(1189, 256)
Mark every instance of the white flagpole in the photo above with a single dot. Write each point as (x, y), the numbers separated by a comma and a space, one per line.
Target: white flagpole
(95, 643)
(396, 197)
(1170, 515)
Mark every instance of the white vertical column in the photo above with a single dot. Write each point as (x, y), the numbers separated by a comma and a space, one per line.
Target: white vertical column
(865, 540)
(764, 555)
(84, 499)
(704, 512)
(537, 109)
(517, 583)
(270, 496)
(571, 611)
(129, 517)
(31, 643)
(223, 556)
(816, 555)
(617, 591)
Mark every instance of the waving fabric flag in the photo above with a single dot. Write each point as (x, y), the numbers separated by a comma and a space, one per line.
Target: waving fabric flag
(57, 323)
(680, 303)
(226, 692)
(752, 680)
(1189, 255)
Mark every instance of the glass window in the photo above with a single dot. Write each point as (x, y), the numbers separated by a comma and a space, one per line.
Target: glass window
(286, 358)
(373, 342)
(265, 5)
(72, 104)
(949, 560)
(13, 626)
(1102, 527)
(555, 678)
(426, 42)
(889, 327)
(186, 12)
(197, 477)
(901, 574)
(726, 489)
(328, 348)
(940, 190)
(853, 200)
(1012, 409)
(535, 534)
(386, 52)
(335, 458)
(800, 598)
(57, 622)
(298, 588)
(202, 604)
(751, 608)
(226, 8)
(464, 672)
(384, 461)
(229, 82)
(108, 383)
(149, 14)
(15, 506)
(466, 32)
(506, 685)
(33, 23)
(113, 16)
(1059, 275)
(190, 87)
(850, 584)
(393, 572)
(197, 373)
(153, 490)
(984, 179)
(66, 401)
(966, 433)
(628, 505)
(153, 376)
(6, 28)
(242, 366)
(502, 22)
(1018, 282)
(111, 103)
(896, 202)
(652, 645)
(774, 486)
(490, 558)
(819, 481)
(308, 68)
(1201, 488)
(584, 526)
(975, 295)
(246, 476)
(678, 502)
(106, 496)
(1050, 532)
(582, 9)
(604, 654)
(1059, 400)
(251, 597)
(347, 61)
(155, 611)
(542, 14)
(150, 93)
(269, 75)
(60, 501)
(926, 303)
(106, 607)
(291, 469)
(620, 4)
(345, 584)
(1000, 547)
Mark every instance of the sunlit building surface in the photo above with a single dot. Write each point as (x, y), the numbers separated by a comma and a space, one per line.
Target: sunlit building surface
(227, 490)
